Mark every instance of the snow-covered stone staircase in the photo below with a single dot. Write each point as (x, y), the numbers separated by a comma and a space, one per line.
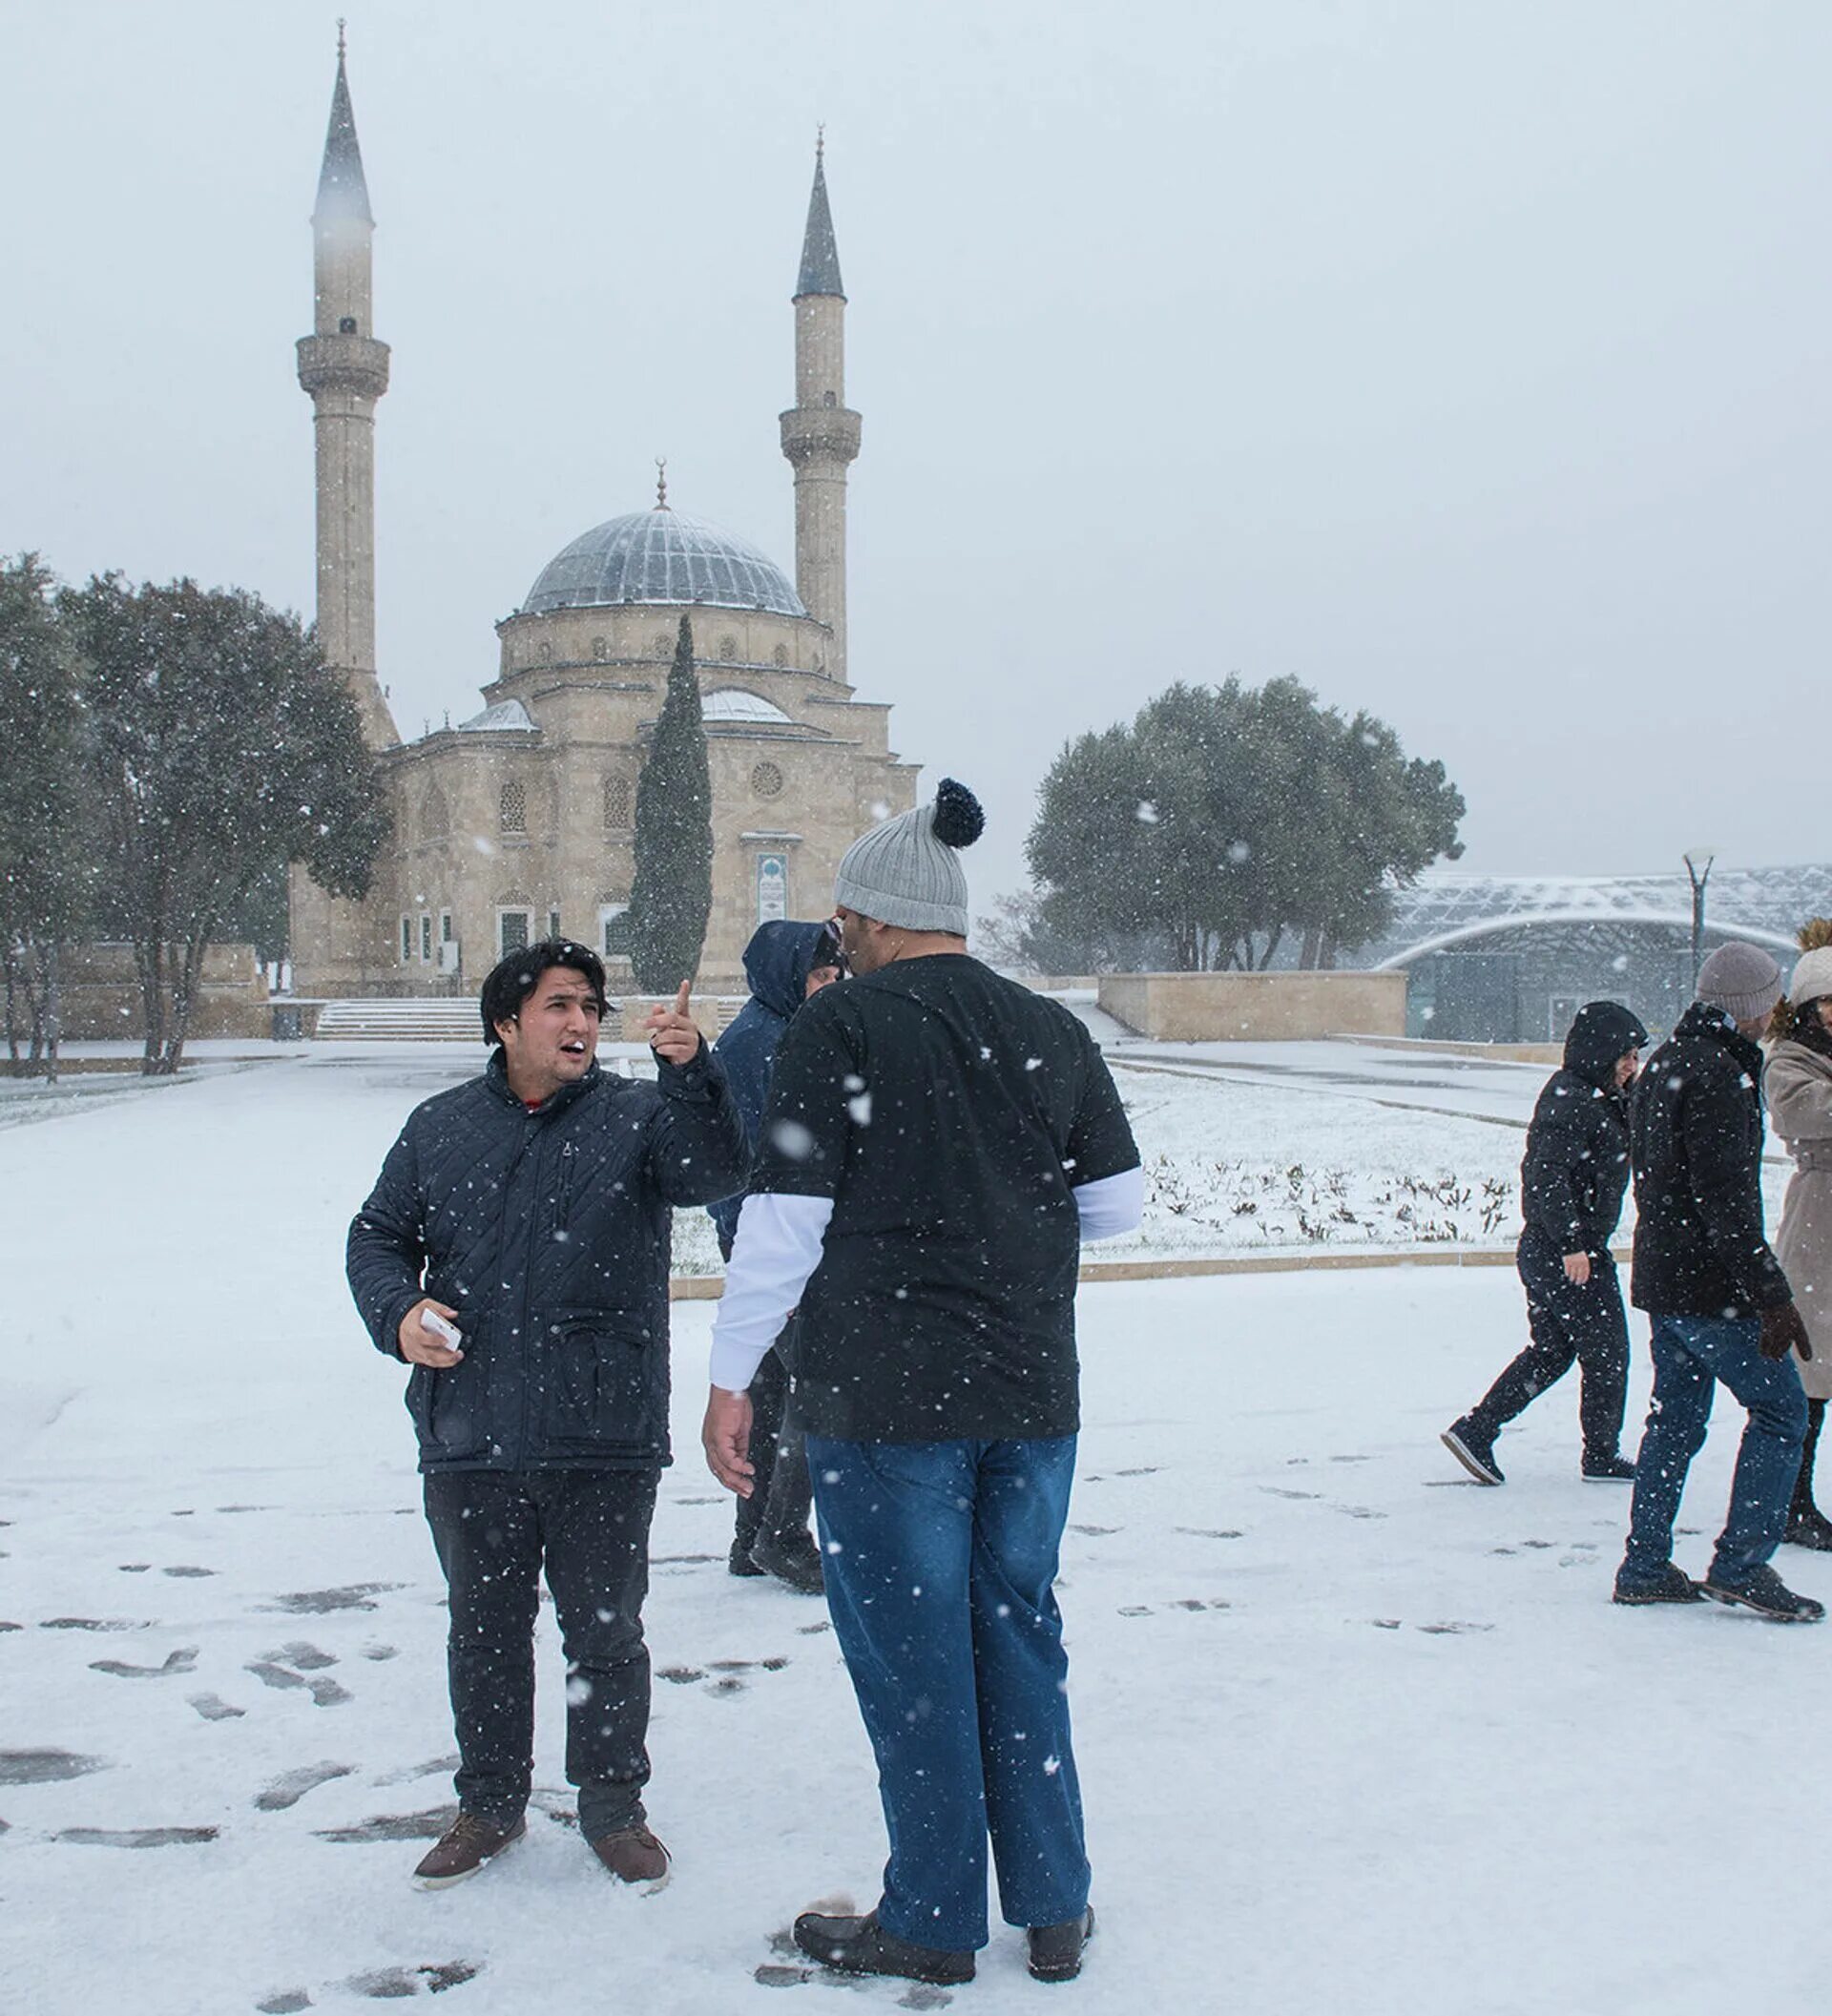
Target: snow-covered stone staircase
(448, 1020)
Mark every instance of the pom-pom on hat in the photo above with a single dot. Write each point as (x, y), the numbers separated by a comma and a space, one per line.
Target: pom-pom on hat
(1741, 979)
(908, 871)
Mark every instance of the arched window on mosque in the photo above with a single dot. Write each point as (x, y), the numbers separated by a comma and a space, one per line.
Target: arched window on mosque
(513, 808)
(435, 819)
(782, 654)
(616, 803)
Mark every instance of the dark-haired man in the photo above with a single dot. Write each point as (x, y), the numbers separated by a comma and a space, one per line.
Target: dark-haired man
(514, 1252)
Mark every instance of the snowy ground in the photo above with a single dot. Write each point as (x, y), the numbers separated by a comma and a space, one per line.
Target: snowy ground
(1355, 1736)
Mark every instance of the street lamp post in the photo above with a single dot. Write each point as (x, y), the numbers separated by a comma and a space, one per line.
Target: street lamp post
(1699, 878)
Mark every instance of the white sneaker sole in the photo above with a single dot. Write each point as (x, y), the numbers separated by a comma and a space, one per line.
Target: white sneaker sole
(1469, 1458)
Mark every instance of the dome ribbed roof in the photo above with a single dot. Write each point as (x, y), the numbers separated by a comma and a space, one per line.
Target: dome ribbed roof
(666, 556)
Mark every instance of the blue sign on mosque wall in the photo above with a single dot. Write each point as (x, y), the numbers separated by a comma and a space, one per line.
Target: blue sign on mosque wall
(772, 887)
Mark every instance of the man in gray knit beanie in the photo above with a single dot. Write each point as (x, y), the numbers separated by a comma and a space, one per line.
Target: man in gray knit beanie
(1721, 1306)
(938, 1143)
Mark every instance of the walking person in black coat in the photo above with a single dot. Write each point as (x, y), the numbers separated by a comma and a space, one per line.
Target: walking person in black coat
(787, 963)
(1572, 1185)
(1722, 1308)
(514, 1252)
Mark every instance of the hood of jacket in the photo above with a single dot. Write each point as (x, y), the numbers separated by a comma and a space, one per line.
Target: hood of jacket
(1602, 1032)
(777, 962)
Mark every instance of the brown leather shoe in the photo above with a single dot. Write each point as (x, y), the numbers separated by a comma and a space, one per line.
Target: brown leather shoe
(462, 1849)
(1057, 1950)
(860, 1945)
(633, 1855)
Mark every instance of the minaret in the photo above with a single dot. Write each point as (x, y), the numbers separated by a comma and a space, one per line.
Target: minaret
(819, 434)
(345, 371)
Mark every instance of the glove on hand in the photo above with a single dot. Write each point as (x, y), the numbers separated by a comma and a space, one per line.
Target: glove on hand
(1782, 1332)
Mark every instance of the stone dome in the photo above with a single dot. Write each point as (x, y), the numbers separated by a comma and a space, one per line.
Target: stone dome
(662, 555)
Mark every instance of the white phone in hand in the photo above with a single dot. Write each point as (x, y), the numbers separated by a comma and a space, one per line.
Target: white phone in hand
(447, 1333)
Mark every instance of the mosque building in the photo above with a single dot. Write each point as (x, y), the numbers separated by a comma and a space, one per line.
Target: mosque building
(517, 823)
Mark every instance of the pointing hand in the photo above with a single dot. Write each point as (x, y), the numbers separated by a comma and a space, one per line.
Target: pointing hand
(673, 1033)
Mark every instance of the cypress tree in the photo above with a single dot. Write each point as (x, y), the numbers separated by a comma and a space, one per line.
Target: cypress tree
(672, 897)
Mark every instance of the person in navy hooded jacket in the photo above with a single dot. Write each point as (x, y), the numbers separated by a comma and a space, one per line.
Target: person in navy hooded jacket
(784, 962)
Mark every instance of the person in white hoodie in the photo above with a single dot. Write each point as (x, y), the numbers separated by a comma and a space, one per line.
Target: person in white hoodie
(937, 1144)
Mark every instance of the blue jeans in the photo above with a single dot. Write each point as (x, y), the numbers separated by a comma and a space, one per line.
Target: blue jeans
(939, 1558)
(1691, 1353)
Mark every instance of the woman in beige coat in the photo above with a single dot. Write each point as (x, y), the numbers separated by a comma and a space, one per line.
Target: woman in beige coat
(1798, 1083)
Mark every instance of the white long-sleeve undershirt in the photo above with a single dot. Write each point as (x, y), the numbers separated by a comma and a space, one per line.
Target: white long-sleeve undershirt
(778, 1247)
(1111, 1205)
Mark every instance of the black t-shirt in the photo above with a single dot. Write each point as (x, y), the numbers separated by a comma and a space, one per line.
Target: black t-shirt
(949, 1113)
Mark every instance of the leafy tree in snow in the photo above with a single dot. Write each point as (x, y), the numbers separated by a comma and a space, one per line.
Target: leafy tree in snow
(1222, 821)
(45, 865)
(670, 897)
(218, 743)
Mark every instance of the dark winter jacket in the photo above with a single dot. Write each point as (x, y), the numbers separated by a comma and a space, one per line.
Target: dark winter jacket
(1696, 1129)
(777, 964)
(1576, 1168)
(548, 1233)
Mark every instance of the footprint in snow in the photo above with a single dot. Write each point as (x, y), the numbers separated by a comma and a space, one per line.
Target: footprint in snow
(320, 1602)
(45, 1767)
(1094, 1532)
(213, 1708)
(1213, 1532)
(426, 1826)
(326, 1692)
(189, 1573)
(285, 2004)
(135, 1837)
(924, 1995)
(1451, 1630)
(301, 1656)
(381, 1651)
(91, 1624)
(1143, 1469)
(431, 1768)
(244, 1509)
(809, 1630)
(1348, 1459)
(1273, 1491)
(396, 1984)
(135, 1567)
(1360, 1512)
(291, 1786)
(179, 1662)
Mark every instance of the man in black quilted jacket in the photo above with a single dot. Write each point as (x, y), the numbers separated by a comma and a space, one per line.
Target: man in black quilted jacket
(1573, 1180)
(515, 1253)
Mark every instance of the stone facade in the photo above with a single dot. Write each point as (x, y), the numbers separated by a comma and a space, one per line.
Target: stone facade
(1255, 1008)
(518, 820)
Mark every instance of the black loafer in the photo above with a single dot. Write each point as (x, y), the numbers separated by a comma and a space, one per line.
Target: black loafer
(1057, 1950)
(860, 1945)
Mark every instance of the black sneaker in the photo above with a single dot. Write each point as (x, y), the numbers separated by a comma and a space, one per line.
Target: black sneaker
(1608, 1469)
(1672, 1585)
(1810, 1528)
(1057, 1950)
(1474, 1449)
(740, 1562)
(793, 1559)
(860, 1945)
(1763, 1592)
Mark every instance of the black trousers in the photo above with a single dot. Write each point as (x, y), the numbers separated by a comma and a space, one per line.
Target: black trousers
(782, 1490)
(494, 1531)
(1570, 1325)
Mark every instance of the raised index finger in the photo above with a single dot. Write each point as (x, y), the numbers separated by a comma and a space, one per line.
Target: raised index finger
(681, 998)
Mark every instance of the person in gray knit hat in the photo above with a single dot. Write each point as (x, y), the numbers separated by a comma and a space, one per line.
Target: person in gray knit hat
(1796, 1083)
(1722, 1308)
(938, 1143)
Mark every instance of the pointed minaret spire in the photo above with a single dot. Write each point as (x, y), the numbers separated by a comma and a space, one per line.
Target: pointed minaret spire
(342, 193)
(819, 255)
(346, 370)
(820, 432)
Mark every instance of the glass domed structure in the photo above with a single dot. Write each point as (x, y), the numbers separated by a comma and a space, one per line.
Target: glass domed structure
(662, 555)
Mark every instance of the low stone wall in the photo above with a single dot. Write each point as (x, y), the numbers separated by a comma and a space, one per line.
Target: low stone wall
(1258, 1007)
(99, 999)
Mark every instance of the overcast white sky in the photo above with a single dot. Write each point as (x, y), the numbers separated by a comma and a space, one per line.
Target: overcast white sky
(1467, 360)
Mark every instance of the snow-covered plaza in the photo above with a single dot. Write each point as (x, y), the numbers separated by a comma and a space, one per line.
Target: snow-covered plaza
(1355, 1735)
